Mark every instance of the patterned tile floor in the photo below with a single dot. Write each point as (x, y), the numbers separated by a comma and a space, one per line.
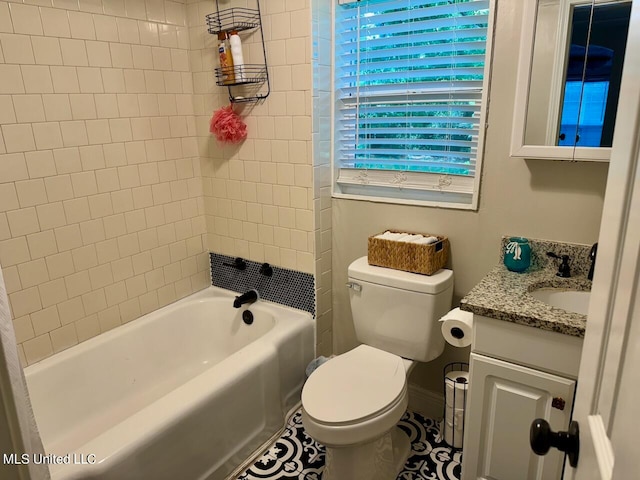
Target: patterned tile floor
(295, 455)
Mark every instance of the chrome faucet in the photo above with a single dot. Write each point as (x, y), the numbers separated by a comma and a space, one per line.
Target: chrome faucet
(592, 257)
(247, 297)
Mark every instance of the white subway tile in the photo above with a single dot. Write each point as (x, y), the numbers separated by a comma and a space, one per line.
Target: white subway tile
(76, 210)
(134, 81)
(161, 58)
(37, 79)
(142, 57)
(23, 328)
(65, 337)
(65, 79)
(57, 107)
(74, 52)
(40, 164)
(148, 33)
(115, 7)
(114, 154)
(81, 25)
(47, 135)
(55, 22)
(183, 38)
(6, 25)
(11, 79)
(45, 320)
(98, 131)
(37, 348)
(106, 105)
(26, 19)
(66, 4)
(173, 84)
(58, 188)
(121, 55)
(90, 80)
(18, 138)
(13, 252)
(155, 11)
(67, 159)
(16, 48)
(46, 50)
(87, 327)
(141, 127)
(106, 27)
(120, 130)
(99, 54)
(136, 9)
(25, 220)
(180, 60)
(51, 215)
(107, 180)
(154, 81)
(28, 108)
(175, 13)
(7, 114)
(92, 6)
(74, 133)
(92, 157)
(113, 80)
(82, 106)
(168, 36)
(128, 30)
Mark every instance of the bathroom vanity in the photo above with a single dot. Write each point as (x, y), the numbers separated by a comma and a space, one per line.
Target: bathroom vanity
(525, 357)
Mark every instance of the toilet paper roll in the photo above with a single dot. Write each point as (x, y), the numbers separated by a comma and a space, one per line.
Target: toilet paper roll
(457, 327)
(454, 416)
(453, 436)
(456, 385)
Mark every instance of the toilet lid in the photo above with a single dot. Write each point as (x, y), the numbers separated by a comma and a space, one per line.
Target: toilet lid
(354, 385)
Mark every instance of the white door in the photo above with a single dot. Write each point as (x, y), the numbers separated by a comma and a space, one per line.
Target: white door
(608, 395)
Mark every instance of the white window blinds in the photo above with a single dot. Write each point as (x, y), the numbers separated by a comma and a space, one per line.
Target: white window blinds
(409, 90)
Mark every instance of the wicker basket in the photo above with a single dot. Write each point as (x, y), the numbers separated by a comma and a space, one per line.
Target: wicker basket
(410, 257)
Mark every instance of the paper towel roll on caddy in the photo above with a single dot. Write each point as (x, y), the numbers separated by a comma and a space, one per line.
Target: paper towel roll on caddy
(457, 327)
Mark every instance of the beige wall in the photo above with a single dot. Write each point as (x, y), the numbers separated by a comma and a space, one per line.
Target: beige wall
(101, 209)
(533, 198)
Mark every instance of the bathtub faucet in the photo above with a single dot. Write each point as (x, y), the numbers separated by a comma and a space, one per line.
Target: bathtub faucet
(247, 297)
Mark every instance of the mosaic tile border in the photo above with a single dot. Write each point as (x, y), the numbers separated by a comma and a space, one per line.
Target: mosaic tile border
(295, 455)
(287, 287)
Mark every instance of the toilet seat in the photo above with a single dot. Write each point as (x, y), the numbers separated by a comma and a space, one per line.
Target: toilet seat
(356, 391)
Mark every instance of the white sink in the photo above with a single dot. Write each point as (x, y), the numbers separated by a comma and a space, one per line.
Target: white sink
(569, 300)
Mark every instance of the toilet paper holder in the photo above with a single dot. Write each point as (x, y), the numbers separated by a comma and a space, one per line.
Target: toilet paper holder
(456, 384)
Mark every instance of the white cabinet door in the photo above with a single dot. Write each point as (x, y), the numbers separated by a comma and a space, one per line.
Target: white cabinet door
(503, 400)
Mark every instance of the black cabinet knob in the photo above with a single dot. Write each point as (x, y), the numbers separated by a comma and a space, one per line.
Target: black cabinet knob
(542, 438)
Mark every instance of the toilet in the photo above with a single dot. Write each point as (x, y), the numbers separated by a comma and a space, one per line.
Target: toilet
(352, 403)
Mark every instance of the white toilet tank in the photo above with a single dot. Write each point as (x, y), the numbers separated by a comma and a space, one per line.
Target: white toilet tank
(398, 311)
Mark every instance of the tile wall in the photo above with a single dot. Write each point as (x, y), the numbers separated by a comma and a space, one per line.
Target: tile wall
(259, 195)
(268, 200)
(322, 28)
(112, 189)
(102, 215)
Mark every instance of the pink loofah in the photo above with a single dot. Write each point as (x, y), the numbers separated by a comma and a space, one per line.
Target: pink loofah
(227, 126)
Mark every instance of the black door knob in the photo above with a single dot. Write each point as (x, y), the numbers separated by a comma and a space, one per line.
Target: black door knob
(542, 438)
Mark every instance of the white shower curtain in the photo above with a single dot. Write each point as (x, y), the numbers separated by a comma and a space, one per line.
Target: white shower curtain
(16, 418)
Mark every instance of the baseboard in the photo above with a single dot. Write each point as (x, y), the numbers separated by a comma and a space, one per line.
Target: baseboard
(426, 402)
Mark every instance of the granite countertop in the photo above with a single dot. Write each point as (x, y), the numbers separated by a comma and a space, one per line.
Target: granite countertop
(503, 294)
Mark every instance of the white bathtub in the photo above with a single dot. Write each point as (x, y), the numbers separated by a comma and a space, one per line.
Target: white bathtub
(186, 392)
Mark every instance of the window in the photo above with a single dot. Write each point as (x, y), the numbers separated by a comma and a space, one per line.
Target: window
(410, 100)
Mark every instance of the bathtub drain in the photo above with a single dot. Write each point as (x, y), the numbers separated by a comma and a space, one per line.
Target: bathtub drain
(247, 317)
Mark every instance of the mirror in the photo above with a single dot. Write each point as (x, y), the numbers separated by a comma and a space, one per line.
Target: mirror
(571, 59)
